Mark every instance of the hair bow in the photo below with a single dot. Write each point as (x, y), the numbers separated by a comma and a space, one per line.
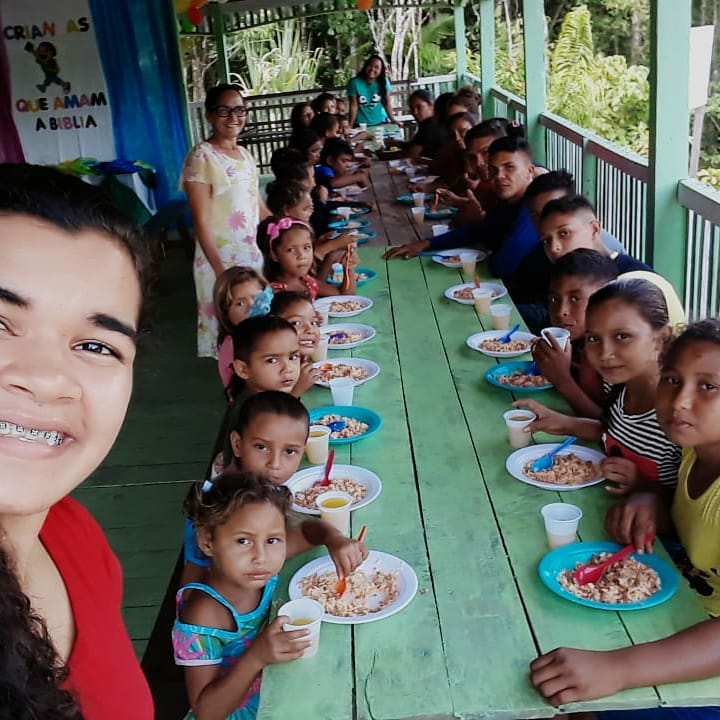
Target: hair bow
(274, 228)
(261, 303)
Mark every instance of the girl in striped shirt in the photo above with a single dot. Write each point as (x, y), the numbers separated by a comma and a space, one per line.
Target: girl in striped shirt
(626, 331)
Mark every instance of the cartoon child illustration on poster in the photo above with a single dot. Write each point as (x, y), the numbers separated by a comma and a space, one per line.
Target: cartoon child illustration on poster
(45, 55)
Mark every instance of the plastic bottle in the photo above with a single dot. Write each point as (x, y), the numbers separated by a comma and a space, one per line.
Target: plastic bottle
(337, 273)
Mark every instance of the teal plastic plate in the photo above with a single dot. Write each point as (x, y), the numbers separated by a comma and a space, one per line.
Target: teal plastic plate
(356, 212)
(509, 368)
(348, 225)
(442, 213)
(367, 272)
(408, 199)
(362, 414)
(566, 557)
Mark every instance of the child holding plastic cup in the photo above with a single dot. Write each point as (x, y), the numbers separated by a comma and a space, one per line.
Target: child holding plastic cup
(221, 635)
(573, 279)
(626, 332)
(688, 408)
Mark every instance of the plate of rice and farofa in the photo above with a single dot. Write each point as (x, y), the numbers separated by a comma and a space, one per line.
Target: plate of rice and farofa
(574, 468)
(382, 586)
(635, 583)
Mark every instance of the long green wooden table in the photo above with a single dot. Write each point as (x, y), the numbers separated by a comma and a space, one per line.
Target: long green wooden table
(472, 533)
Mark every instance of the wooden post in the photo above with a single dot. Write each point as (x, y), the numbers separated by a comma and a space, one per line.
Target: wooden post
(534, 41)
(218, 27)
(460, 43)
(487, 55)
(669, 69)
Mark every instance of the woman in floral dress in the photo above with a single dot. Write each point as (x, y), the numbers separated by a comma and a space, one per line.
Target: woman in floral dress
(221, 182)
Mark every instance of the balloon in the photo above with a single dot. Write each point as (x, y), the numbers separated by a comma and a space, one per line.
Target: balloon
(365, 4)
(185, 24)
(181, 6)
(195, 16)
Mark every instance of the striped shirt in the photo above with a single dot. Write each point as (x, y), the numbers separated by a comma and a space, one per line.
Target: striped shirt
(641, 439)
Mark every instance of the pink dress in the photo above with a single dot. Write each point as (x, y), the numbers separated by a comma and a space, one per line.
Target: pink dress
(225, 360)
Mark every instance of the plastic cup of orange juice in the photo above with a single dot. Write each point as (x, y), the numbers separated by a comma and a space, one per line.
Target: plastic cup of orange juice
(334, 507)
(317, 447)
(304, 614)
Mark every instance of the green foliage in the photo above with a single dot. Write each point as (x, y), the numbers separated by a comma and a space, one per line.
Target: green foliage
(509, 56)
(274, 59)
(710, 176)
(573, 70)
(601, 93)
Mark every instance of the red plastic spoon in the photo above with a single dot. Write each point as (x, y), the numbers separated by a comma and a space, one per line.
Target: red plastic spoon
(328, 467)
(590, 573)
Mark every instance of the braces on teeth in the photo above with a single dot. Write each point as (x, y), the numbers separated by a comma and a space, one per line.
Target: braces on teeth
(51, 437)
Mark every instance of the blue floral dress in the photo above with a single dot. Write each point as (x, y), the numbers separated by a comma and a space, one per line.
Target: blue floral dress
(199, 645)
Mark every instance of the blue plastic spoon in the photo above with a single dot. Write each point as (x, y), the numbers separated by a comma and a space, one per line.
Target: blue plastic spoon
(545, 462)
(337, 425)
(506, 338)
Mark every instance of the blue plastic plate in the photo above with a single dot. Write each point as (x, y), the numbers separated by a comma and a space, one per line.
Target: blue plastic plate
(408, 199)
(365, 235)
(568, 556)
(367, 272)
(362, 414)
(441, 213)
(508, 368)
(351, 225)
(356, 212)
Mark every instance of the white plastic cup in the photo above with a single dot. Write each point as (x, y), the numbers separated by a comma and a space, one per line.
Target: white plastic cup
(440, 229)
(342, 389)
(344, 212)
(304, 614)
(560, 334)
(321, 349)
(561, 523)
(317, 447)
(516, 421)
(418, 214)
(500, 314)
(334, 507)
(363, 126)
(323, 311)
(410, 170)
(418, 199)
(469, 263)
(483, 298)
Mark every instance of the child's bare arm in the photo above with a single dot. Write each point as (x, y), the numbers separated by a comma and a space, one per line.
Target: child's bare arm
(567, 675)
(555, 363)
(215, 697)
(356, 178)
(346, 553)
(556, 423)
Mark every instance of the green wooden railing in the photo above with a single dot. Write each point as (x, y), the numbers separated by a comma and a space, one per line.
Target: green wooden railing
(702, 269)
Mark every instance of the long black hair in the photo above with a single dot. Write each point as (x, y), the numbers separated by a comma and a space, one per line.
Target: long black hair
(381, 78)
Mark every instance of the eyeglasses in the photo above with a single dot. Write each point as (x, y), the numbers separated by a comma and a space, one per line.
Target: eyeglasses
(225, 111)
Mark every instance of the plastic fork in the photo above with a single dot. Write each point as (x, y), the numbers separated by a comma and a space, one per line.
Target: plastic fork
(533, 369)
(506, 337)
(341, 584)
(590, 573)
(328, 467)
(545, 462)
